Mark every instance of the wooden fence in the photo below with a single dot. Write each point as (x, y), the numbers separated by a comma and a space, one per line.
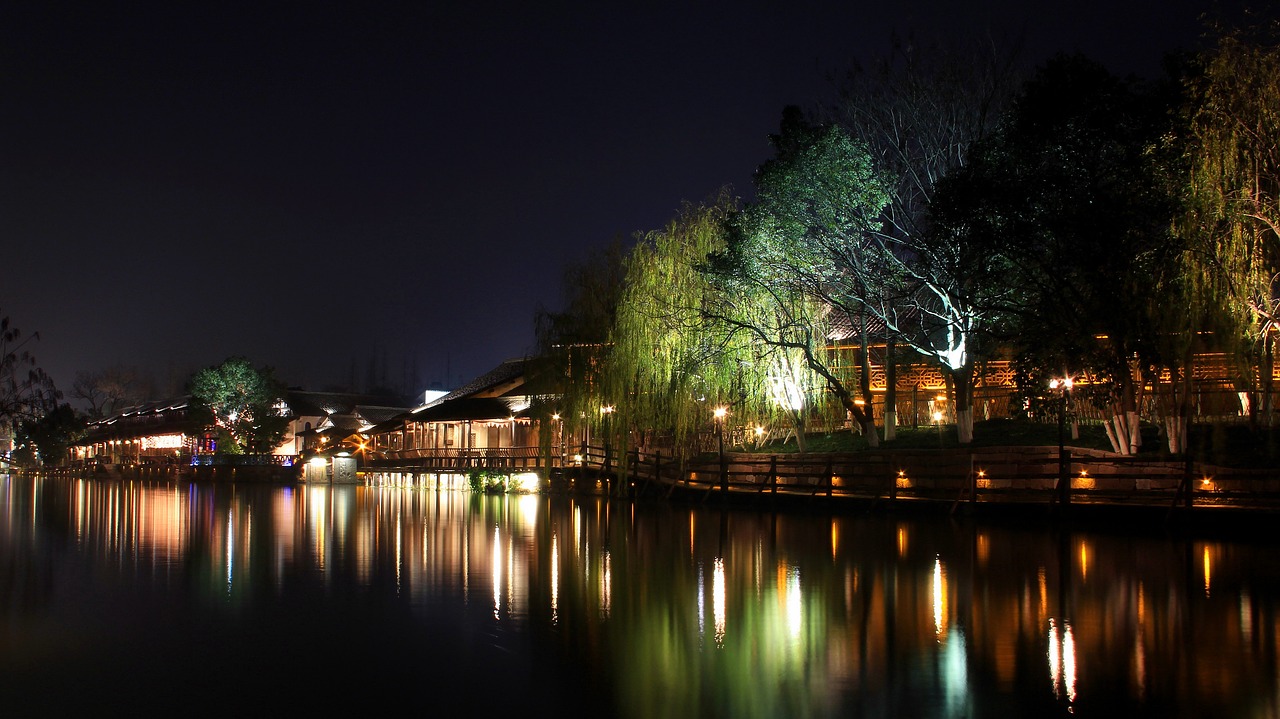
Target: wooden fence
(1010, 474)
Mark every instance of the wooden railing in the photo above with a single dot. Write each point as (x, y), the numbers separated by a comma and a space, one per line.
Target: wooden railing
(1022, 474)
(530, 458)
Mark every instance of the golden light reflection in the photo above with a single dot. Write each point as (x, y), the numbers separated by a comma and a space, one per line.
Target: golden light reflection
(1142, 604)
(231, 548)
(606, 585)
(555, 578)
(1084, 561)
(984, 549)
(1139, 663)
(577, 531)
(794, 603)
(691, 532)
(1044, 592)
(1246, 616)
(318, 523)
(1207, 570)
(1062, 659)
(718, 600)
(497, 573)
(939, 599)
(902, 541)
(835, 538)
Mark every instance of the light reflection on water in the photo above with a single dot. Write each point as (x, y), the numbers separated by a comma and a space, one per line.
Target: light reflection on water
(255, 597)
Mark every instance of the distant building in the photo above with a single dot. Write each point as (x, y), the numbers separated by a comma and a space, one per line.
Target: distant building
(488, 417)
(162, 432)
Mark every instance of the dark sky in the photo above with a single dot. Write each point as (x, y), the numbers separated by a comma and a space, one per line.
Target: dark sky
(329, 187)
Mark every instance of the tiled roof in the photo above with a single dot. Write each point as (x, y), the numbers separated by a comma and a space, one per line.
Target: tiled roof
(304, 403)
(508, 371)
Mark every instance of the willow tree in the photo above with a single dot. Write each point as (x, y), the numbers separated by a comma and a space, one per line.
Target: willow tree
(798, 260)
(1233, 220)
(573, 343)
(673, 359)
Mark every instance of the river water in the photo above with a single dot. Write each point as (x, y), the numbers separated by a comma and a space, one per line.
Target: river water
(240, 600)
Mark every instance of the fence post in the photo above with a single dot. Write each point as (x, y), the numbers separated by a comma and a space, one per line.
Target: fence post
(973, 482)
(724, 474)
(1064, 477)
(1187, 500)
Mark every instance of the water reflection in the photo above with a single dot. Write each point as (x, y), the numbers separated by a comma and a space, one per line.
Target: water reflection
(638, 610)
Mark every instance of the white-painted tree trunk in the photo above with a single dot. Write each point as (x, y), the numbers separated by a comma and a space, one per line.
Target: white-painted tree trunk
(869, 430)
(1111, 437)
(1176, 430)
(1135, 432)
(890, 424)
(1124, 432)
(964, 425)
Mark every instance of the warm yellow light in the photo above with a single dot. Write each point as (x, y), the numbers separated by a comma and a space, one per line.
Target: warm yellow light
(317, 461)
(524, 482)
(555, 416)
(577, 458)
(937, 416)
(982, 473)
(721, 412)
(940, 398)
(606, 409)
(759, 431)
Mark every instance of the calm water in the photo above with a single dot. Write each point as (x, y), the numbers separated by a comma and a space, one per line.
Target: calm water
(136, 598)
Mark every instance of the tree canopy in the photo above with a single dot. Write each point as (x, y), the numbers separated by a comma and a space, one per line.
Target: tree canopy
(243, 402)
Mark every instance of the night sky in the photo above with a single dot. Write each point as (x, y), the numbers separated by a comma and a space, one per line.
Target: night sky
(340, 190)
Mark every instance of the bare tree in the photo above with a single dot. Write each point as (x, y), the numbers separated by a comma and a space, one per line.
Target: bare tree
(919, 112)
(107, 391)
(26, 392)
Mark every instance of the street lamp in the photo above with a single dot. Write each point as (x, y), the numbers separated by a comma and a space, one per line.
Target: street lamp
(1062, 386)
(719, 414)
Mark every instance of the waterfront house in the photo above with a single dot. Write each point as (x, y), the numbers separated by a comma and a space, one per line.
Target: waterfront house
(162, 432)
(484, 423)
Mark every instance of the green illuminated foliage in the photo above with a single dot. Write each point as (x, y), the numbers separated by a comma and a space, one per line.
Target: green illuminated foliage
(672, 364)
(785, 273)
(243, 401)
(1233, 216)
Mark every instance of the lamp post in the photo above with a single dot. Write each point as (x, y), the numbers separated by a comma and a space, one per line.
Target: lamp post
(1063, 386)
(724, 470)
(605, 412)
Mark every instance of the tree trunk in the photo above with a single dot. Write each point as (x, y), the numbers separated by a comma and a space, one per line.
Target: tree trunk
(864, 388)
(961, 381)
(1268, 390)
(797, 420)
(890, 393)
